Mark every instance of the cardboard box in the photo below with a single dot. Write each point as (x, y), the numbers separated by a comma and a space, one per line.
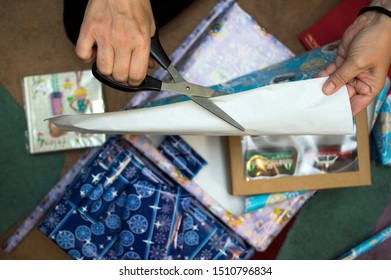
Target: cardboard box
(360, 177)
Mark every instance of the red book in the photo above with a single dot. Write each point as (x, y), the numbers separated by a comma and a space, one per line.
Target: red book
(331, 26)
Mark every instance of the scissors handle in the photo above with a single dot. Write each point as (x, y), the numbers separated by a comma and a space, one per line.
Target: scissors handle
(157, 51)
(149, 82)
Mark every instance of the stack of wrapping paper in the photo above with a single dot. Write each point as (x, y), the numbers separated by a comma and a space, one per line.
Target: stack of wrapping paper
(122, 206)
(257, 228)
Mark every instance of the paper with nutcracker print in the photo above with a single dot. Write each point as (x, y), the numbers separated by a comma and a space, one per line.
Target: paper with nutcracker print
(125, 207)
(55, 94)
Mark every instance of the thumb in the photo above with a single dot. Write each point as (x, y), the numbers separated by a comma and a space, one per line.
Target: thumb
(344, 74)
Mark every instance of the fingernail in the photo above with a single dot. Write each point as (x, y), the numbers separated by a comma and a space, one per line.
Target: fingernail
(328, 88)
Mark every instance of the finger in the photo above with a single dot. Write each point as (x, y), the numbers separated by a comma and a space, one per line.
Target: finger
(362, 88)
(341, 77)
(94, 52)
(105, 59)
(151, 63)
(138, 65)
(121, 64)
(85, 47)
(351, 89)
(359, 102)
(327, 71)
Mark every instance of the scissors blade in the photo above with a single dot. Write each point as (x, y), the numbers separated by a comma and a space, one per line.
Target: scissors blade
(181, 86)
(214, 109)
(190, 89)
(199, 94)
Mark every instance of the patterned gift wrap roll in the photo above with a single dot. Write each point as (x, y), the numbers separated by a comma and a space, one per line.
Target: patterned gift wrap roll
(381, 131)
(262, 200)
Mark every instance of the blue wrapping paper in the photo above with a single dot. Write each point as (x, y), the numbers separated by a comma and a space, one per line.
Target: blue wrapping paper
(202, 237)
(123, 207)
(381, 132)
(182, 155)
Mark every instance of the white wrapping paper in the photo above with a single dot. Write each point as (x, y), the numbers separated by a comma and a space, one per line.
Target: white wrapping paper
(293, 108)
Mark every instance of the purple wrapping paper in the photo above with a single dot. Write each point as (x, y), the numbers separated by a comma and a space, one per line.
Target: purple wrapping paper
(226, 44)
(123, 207)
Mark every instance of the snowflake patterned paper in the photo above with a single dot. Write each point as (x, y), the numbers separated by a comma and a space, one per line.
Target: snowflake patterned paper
(126, 208)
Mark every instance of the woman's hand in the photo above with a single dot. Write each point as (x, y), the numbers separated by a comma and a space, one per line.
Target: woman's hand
(117, 33)
(363, 59)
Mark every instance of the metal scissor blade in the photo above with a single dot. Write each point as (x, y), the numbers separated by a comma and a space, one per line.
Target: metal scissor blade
(190, 89)
(214, 109)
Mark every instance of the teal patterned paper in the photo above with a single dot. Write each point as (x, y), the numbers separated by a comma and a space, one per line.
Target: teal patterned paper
(368, 244)
(382, 129)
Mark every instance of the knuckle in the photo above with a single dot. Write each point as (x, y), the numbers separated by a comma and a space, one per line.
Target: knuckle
(360, 63)
(104, 68)
(141, 40)
(119, 76)
(144, 40)
(338, 79)
(121, 39)
(375, 89)
(136, 77)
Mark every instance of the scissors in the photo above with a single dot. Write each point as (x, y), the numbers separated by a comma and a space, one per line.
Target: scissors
(197, 93)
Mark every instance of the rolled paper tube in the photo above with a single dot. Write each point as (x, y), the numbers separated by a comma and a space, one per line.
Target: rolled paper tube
(368, 244)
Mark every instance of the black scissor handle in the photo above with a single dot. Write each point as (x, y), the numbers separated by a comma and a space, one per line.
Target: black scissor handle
(149, 82)
(157, 51)
(158, 54)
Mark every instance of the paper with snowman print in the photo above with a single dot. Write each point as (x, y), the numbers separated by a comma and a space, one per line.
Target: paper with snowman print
(54, 94)
(293, 108)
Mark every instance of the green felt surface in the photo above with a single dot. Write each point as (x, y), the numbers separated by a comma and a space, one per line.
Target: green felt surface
(24, 179)
(336, 220)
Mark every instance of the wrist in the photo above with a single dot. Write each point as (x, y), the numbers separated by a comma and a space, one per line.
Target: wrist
(378, 12)
(382, 3)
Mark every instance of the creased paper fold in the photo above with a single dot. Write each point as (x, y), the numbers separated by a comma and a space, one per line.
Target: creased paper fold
(295, 108)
